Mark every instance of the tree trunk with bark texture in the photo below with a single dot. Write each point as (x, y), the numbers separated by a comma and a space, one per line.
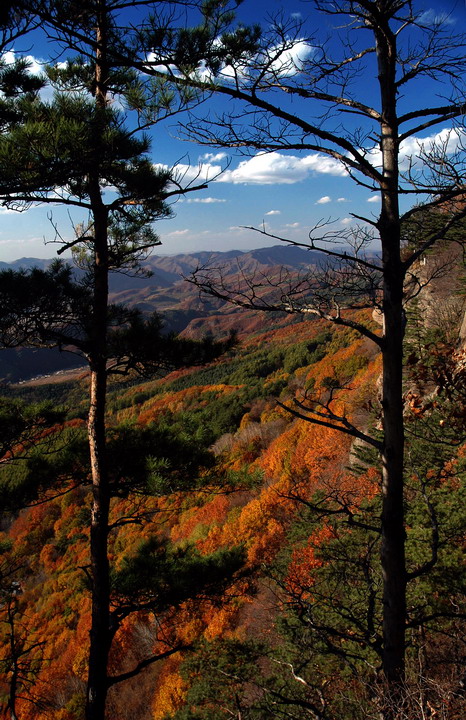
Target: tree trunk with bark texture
(100, 640)
(393, 532)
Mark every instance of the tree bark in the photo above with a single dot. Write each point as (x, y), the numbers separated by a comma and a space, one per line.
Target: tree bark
(13, 689)
(100, 640)
(393, 559)
(100, 573)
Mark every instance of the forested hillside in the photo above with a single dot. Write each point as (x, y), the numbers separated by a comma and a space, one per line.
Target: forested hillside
(208, 460)
(249, 500)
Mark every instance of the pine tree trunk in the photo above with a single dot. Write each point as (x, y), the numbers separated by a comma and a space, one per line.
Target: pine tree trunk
(13, 689)
(99, 635)
(100, 625)
(393, 532)
(100, 639)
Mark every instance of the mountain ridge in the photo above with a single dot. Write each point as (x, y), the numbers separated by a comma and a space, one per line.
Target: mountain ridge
(167, 292)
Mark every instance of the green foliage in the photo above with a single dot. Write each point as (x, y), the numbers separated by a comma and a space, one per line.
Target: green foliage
(250, 367)
(215, 416)
(341, 339)
(246, 367)
(56, 146)
(154, 460)
(18, 86)
(22, 424)
(50, 309)
(140, 397)
(138, 343)
(161, 576)
(53, 463)
(189, 47)
(43, 307)
(260, 681)
(327, 576)
(304, 354)
(426, 223)
(75, 706)
(217, 670)
(69, 395)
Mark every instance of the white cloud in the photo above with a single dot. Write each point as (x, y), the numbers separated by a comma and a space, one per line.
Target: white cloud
(36, 67)
(293, 225)
(155, 62)
(373, 198)
(324, 200)
(234, 73)
(8, 57)
(284, 60)
(342, 199)
(203, 73)
(229, 73)
(213, 157)
(287, 61)
(191, 174)
(276, 168)
(447, 141)
(158, 62)
(176, 233)
(346, 221)
(207, 200)
(262, 169)
(433, 17)
(274, 212)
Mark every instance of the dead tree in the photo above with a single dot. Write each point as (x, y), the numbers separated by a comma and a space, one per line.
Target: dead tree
(375, 141)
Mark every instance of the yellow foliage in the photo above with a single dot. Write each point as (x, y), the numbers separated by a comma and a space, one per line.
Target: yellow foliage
(221, 623)
(170, 693)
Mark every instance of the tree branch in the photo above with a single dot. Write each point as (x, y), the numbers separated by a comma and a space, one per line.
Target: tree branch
(113, 680)
(346, 428)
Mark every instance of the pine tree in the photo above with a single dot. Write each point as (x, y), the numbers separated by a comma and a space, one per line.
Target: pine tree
(72, 151)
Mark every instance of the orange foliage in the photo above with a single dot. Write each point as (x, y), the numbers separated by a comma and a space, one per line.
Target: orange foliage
(305, 452)
(303, 561)
(288, 334)
(260, 526)
(302, 459)
(170, 691)
(175, 402)
(222, 622)
(212, 513)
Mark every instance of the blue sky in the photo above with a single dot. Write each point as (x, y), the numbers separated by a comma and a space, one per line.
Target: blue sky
(288, 192)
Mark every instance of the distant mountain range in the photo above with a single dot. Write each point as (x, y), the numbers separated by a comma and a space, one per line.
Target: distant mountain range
(183, 262)
(167, 292)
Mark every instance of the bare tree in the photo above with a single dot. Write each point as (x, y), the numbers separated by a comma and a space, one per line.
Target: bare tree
(378, 146)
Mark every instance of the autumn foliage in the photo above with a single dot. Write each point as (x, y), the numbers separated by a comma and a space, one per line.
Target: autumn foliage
(266, 471)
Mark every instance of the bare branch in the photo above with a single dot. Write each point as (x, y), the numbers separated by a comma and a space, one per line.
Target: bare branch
(346, 428)
(147, 662)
